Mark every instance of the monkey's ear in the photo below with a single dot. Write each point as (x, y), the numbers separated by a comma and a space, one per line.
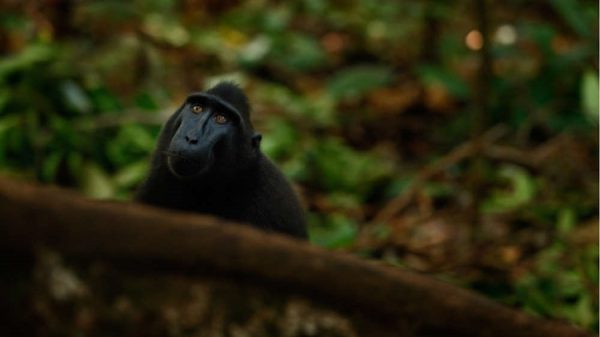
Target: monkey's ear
(256, 138)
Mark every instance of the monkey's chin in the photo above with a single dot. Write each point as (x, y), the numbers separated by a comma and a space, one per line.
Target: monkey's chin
(187, 169)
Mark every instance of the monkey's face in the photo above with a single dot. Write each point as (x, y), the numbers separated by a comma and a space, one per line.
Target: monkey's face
(209, 138)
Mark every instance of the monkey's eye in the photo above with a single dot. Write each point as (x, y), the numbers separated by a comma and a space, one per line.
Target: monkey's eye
(220, 118)
(197, 109)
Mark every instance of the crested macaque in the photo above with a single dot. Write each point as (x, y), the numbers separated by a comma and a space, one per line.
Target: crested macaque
(208, 160)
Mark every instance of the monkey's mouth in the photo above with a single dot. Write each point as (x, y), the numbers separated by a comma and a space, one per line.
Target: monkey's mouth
(186, 167)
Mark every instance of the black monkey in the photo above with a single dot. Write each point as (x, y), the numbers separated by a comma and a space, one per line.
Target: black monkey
(208, 160)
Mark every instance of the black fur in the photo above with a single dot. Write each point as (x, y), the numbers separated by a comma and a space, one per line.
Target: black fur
(206, 167)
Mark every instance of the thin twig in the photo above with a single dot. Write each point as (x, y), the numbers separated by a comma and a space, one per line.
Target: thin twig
(460, 153)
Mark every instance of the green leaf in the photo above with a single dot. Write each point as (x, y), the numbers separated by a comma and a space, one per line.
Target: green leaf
(584, 313)
(104, 100)
(280, 140)
(276, 19)
(436, 190)
(34, 54)
(569, 284)
(438, 75)
(256, 50)
(522, 189)
(356, 81)
(566, 221)
(9, 122)
(335, 231)
(542, 34)
(144, 100)
(95, 182)
(397, 186)
(110, 11)
(131, 175)
(589, 94)
(318, 109)
(344, 201)
(5, 98)
(50, 166)
(75, 97)
(572, 14)
(336, 167)
(166, 29)
(298, 52)
(131, 142)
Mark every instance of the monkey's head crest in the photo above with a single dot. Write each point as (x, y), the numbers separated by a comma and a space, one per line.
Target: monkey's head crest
(232, 94)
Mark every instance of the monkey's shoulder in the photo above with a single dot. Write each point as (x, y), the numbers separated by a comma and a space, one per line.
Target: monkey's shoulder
(272, 202)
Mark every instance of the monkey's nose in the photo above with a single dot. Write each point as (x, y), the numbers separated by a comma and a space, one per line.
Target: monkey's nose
(191, 140)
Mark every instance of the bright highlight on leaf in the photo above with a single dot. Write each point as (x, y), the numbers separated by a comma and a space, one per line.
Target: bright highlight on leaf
(474, 40)
(506, 34)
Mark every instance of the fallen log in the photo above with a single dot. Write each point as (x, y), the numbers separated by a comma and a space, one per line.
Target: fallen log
(146, 240)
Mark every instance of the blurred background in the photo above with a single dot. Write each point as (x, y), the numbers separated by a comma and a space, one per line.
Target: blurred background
(454, 138)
